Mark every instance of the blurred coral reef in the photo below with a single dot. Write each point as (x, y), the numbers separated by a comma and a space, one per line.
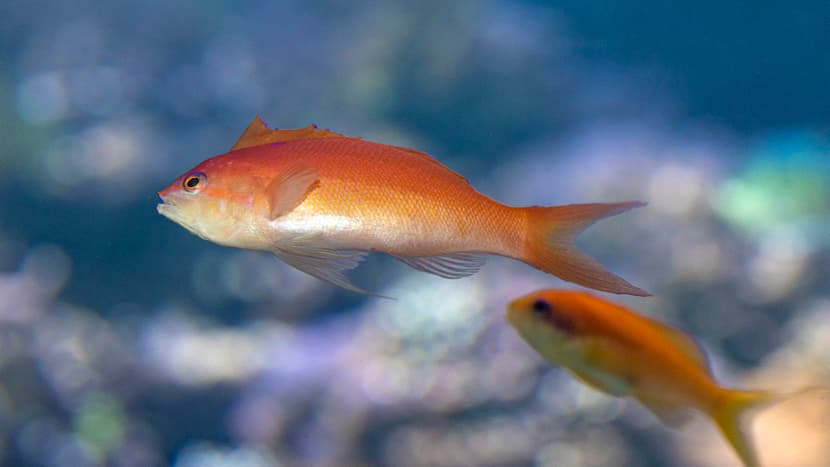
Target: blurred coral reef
(125, 341)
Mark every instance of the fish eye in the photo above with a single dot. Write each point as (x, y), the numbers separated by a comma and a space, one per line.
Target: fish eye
(541, 307)
(194, 182)
(561, 321)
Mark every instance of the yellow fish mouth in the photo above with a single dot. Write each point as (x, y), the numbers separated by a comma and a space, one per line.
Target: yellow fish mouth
(513, 310)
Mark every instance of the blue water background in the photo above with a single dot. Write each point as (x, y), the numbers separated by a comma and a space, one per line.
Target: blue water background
(125, 341)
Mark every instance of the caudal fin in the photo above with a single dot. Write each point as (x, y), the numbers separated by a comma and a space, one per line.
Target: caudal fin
(550, 246)
(734, 404)
(727, 416)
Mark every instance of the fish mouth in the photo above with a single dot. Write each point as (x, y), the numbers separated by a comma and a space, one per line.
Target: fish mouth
(169, 207)
(164, 209)
(513, 311)
(181, 210)
(165, 206)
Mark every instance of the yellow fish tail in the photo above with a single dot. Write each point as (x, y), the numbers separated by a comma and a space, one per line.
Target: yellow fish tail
(727, 416)
(550, 247)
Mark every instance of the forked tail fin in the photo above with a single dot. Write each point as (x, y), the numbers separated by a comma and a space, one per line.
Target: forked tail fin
(733, 405)
(550, 246)
(727, 416)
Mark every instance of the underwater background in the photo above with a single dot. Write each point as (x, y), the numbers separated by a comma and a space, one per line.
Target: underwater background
(126, 341)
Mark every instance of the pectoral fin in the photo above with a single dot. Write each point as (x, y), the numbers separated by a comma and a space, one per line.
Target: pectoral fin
(289, 189)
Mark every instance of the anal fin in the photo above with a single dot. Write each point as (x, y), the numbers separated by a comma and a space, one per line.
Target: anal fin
(668, 413)
(601, 381)
(451, 266)
(329, 265)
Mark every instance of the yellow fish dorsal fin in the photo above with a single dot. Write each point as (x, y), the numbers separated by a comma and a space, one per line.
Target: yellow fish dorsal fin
(258, 134)
(688, 346)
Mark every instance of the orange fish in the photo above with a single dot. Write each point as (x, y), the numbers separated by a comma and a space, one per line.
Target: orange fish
(321, 202)
(624, 354)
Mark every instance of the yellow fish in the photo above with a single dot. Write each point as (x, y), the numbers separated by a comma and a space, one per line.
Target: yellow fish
(624, 354)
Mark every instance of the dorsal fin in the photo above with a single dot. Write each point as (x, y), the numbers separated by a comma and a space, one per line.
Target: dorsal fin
(416, 152)
(427, 157)
(258, 134)
(688, 347)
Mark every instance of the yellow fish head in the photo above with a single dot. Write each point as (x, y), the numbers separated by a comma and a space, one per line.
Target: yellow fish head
(546, 321)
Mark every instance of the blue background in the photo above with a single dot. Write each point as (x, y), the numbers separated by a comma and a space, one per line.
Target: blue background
(126, 341)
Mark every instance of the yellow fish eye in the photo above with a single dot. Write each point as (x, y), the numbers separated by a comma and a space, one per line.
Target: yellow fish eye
(194, 182)
(541, 307)
(561, 321)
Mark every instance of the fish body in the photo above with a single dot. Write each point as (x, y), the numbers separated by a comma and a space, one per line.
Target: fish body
(624, 354)
(321, 201)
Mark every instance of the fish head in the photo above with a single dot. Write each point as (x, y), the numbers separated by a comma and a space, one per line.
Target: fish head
(217, 201)
(549, 320)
